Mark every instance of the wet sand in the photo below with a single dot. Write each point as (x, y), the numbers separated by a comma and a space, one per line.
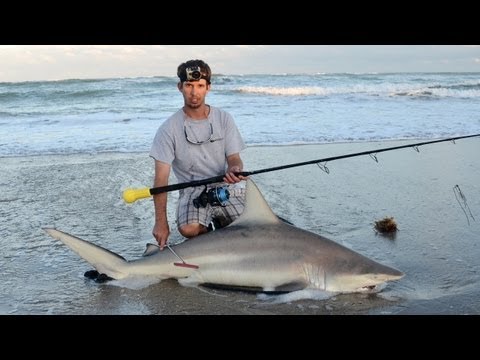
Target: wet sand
(437, 246)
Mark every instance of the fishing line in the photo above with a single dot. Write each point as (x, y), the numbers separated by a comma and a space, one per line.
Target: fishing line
(462, 201)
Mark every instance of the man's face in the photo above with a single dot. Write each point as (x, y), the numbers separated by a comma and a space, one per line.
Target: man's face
(194, 92)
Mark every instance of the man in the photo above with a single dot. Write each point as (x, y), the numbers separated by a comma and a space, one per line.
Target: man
(198, 141)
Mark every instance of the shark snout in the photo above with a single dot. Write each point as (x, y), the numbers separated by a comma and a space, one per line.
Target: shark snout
(394, 274)
(372, 280)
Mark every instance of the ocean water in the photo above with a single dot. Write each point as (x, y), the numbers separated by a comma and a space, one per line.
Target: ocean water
(122, 115)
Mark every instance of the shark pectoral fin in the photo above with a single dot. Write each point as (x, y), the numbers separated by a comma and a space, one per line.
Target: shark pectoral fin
(291, 286)
(151, 249)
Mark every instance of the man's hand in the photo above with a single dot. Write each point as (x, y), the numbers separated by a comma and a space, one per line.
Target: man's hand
(230, 176)
(235, 165)
(161, 233)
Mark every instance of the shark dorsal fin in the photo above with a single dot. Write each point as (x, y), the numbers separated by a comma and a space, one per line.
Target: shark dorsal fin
(256, 210)
(151, 249)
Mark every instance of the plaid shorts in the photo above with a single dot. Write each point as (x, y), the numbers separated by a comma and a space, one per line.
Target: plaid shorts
(187, 213)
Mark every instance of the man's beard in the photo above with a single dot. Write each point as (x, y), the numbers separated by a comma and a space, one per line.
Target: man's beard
(194, 106)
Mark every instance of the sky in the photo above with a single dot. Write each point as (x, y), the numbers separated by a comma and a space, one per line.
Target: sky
(56, 62)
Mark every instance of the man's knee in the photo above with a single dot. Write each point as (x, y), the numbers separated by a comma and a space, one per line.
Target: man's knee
(191, 230)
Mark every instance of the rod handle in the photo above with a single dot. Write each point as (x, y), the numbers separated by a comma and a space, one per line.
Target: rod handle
(132, 195)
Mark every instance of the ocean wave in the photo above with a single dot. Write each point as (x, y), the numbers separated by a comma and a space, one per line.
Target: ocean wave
(440, 92)
(285, 91)
(459, 91)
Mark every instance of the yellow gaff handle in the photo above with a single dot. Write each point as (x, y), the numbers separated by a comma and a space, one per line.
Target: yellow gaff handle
(131, 195)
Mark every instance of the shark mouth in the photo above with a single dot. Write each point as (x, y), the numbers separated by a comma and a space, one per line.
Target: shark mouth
(372, 288)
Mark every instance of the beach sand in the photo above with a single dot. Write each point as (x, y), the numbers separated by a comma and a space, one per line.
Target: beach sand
(437, 245)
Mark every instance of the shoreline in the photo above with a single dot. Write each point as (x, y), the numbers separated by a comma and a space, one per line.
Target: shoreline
(255, 146)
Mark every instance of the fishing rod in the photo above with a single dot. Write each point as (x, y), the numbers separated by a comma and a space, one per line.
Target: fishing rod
(131, 195)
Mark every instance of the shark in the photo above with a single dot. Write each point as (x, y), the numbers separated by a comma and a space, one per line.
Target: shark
(258, 251)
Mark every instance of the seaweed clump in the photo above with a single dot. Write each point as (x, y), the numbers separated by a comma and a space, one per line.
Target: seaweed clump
(387, 225)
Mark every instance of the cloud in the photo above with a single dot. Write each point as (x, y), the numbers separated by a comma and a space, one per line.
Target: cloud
(51, 62)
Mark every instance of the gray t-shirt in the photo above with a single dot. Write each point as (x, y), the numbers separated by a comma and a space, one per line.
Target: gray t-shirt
(192, 161)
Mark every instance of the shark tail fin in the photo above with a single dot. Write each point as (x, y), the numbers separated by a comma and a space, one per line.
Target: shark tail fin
(103, 260)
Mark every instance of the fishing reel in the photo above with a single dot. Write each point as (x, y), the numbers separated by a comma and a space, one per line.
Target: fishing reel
(215, 196)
